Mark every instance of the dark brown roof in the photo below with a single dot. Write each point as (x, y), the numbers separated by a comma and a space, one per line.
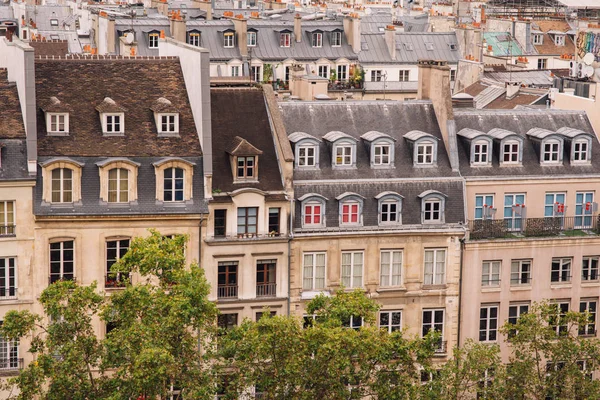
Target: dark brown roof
(11, 120)
(242, 112)
(54, 105)
(56, 48)
(241, 147)
(108, 105)
(502, 103)
(548, 47)
(133, 84)
(162, 105)
(475, 89)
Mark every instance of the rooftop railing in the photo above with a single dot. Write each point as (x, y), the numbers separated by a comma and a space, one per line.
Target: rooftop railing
(533, 227)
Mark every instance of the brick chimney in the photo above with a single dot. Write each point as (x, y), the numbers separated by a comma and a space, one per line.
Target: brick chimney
(240, 24)
(390, 40)
(352, 31)
(178, 26)
(298, 28)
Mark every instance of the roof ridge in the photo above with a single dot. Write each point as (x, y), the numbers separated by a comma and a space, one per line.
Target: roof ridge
(98, 57)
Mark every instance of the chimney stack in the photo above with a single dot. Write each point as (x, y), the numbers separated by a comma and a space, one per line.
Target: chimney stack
(298, 28)
(204, 6)
(178, 26)
(352, 31)
(390, 40)
(240, 25)
(512, 89)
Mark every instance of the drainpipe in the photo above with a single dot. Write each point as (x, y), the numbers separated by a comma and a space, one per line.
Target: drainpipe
(460, 290)
(200, 242)
(289, 264)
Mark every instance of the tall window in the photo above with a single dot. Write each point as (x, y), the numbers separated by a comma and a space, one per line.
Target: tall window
(115, 250)
(256, 73)
(403, 75)
(484, 206)
(381, 154)
(557, 319)
(227, 285)
(324, 71)
(433, 320)
(432, 210)
(251, 39)
(352, 269)
(424, 153)
(343, 155)
(113, 123)
(62, 265)
(118, 185)
(245, 167)
(390, 320)
(514, 313)
(589, 306)
(226, 322)
(313, 271)
(488, 323)
(514, 206)
(490, 273)
(247, 220)
(8, 278)
(285, 39)
(538, 38)
(342, 72)
(435, 267)
(169, 123)
(554, 205)
(561, 270)
(584, 208)
(542, 63)
(306, 156)
(265, 278)
(194, 39)
(354, 322)
(589, 269)
(559, 40)
(580, 150)
(317, 39)
(350, 212)
(153, 41)
(376, 75)
(173, 184)
(391, 268)
(313, 214)
(62, 185)
(274, 216)
(336, 39)
(228, 40)
(510, 152)
(7, 218)
(58, 123)
(220, 223)
(390, 212)
(235, 70)
(9, 354)
(550, 152)
(480, 152)
(520, 272)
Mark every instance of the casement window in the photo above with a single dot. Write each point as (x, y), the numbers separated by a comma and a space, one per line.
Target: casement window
(173, 184)
(376, 75)
(57, 123)
(227, 279)
(324, 71)
(336, 39)
(559, 40)
(542, 63)
(551, 151)
(481, 152)
(118, 185)
(381, 154)
(354, 322)
(484, 206)
(8, 278)
(313, 214)
(435, 267)
(390, 268)
(220, 228)
(390, 210)
(554, 205)
(256, 73)
(194, 38)
(510, 152)
(7, 218)
(246, 167)
(514, 209)
(266, 285)
(115, 250)
(235, 70)
(228, 40)
(591, 307)
(53, 22)
(515, 311)
(313, 271)
(584, 209)
(317, 39)
(561, 270)
(403, 75)
(557, 318)
(274, 220)
(589, 269)
(260, 315)
(153, 40)
(114, 123)
(251, 39)
(581, 151)
(488, 323)
(433, 320)
(425, 150)
(452, 75)
(169, 123)
(538, 38)
(350, 212)
(285, 39)
(9, 354)
(490, 273)
(520, 272)
(247, 220)
(286, 74)
(62, 261)
(62, 185)
(342, 72)
(343, 155)
(352, 269)
(227, 321)
(391, 321)
(307, 156)
(433, 210)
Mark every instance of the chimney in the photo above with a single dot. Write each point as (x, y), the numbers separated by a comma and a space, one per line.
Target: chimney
(204, 6)
(240, 24)
(390, 40)
(352, 31)
(178, 26)
(434, 85)
(512, 89)
(298, 28)
(106, 33)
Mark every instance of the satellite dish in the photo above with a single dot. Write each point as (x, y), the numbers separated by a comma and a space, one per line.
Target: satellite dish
(129, 38)
(588, 71)
(588, 59)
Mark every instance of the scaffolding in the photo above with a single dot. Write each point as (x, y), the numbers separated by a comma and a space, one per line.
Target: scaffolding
(526, 9)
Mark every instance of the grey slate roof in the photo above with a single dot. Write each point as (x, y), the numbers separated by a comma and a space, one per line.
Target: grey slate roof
(521, 121)
(14, 160)
(42, 15)
(146, 186)
(211, 36)
(141, 27)
(537, 78)
(374, 48)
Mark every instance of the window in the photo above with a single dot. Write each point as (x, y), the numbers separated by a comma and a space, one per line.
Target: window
(53, 22)
(514, 209)
(390, 268)
(317, 39)
(403, 75)
(589, 306)
(336, 39)
(313, 271)
(559, 40)
(8, 278)
(169, 123)
(220, 223)
(350, 213)
(246, 167)
(391, 321)
(251, 39)
(285, 39)
(376, 75)
(352, 269)
(228, 40)
(433, 320)
(324, 71)
(481, 151)
(343, 155)
(286, 75)
(452, 75)
(520, 272)
(584, 208)
(307, 156)
(235, 70)
(113, 123)
(425, 153)
(554, 205)
(432, 210)
(256, 74)
(259, 316)
(551, 151)
(484, 206)
(313, 214)
(435, 267)
(58, 123)
(381, 154)
(557, 319)
(153, 41)
(62, 261)
(247, 220)
(390, 210)
(542, 63)
(118, 185)
(510, 152)
(514, 313)
(589, 269)
(226, 322)
(265, 278)
(194, 39)
(490, 273)
(342, 72)
(9, 354)
(274, 220)
(561, 270)
(7, 218)
(488, 323)
(538, 38)
(227, 283)
(173, 184)
(580, 151)
(354, 322)
(115, 250)
(62, 185)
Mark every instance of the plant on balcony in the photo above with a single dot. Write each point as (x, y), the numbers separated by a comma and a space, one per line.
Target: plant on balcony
(543, 226)
(268, 73)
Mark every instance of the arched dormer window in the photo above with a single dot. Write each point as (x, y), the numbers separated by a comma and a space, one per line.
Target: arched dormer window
(581, 150)
(118, 180)
(481, 151)
(62, 180)
(511, 146)
(424, 148)
(343, 154)
(313, 210)
(389, 208)
(350, 209)
(381, 149)
(306, 150)
(174, 179)
(433, 204)
(552, 150)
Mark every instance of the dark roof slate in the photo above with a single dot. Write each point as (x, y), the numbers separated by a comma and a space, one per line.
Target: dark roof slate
(13, 154)
(11, 119)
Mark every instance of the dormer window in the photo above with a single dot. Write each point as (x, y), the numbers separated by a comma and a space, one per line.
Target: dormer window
(336, 39)
(118, 180)
(381, 149)
(228, 39)
(313, 210)
(538, 39)
(424, 148)
(62, 185)
(194, 38)
(244, 160)
(285, 39)
(343, 149)
(481, 150)
(317, 39)
(306, 149)
(390, 208)
(166, 117)
(432, 207)
(581, 150)
(113, 123)
(510, 151)
(251, 38)
(551, 150)
(351, 206)
(112, 117)
(307, 156)
(153, 40)
(53, 22)
(381, 154)
(118, 185)
(61, 177)
(169, 123)
(343, 155)
(550, 145)
(246, 167)
(57, 123)
(174, 179)
(559, 40)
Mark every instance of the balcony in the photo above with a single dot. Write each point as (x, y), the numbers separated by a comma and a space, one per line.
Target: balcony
(227, 291)
(533, 227)
(8, 230)
(246, 236)
(344, 85)
(10, 365)
(116, 280)
(442, 348)
(60, 277)
(266, 289)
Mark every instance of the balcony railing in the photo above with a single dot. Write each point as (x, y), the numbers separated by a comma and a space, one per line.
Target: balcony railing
(247, 236)
(11, 364)
(8, 230)
(116, 280)
(533, 227)
(442, 347)
(344, 85)
(266, 289)
(227, 291)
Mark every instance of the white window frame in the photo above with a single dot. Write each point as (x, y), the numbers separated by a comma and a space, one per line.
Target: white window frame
(303, 158)
(251, 39)
(323, 71)
(342, 72)
(194, 38)
(591, 265)
(380, 159)
(62, 191)
(432, 325)
(256, 73)
(518, 274)
(581, 151)
(389, 201)
(425, 152)
(61, 262)
(554, 151)
(352, 322)
(490, 331)
(173, 180)
(8, 218)
(235, 70)
(312, 203)
(519, 310)
(589, 329)
(352, 273)
(562, 308)
(560, 40)
(228, 40)
(336, 39)
(10, 277)
(438, 262)
(317, 39)
(10, 349)
(313, 275)
(428, 213)
(538, 39)
(390, 271)
(153, 40)
(542, 63)
(390, 326)
(172, 126)
(106, 124)
(350, 203)
(285, 39)
(376, 75)
(563, 266)
(119, 190)
(53, 123)
(481, 151)
(346, 151)
(404, 75)
(118, 247)
(485, 209)
(512, 154)
(490, 273)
